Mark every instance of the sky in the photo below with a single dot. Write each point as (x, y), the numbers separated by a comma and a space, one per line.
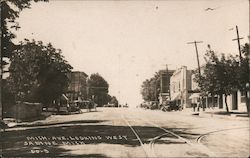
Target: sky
(128, 41)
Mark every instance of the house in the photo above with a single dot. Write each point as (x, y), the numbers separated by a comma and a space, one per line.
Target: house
(180, 83)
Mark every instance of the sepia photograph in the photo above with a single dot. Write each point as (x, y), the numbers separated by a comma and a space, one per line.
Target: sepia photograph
(125, 78)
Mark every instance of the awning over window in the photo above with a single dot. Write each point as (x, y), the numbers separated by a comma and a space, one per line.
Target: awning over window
(176, 96)
(194, 95)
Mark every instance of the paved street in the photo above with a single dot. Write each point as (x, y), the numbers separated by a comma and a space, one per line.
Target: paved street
(117, 132)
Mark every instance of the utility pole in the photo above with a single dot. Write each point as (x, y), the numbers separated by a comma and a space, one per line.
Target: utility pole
(199, 68)
(119, 87)
(246, 92)
(1, 77)
(168, 82)
(249, 20)
(197, 55)
(238, 39)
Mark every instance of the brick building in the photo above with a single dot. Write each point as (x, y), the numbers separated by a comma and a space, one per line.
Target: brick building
(78, 86)
(165, 85)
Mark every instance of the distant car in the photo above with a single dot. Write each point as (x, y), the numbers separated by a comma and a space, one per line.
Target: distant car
(145, 105)
(150, 105)
(125, 106)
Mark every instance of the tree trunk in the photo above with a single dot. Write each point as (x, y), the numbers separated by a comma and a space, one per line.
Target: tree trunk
(226, 103)
(203, 106)
(213, 101)
(247, 103)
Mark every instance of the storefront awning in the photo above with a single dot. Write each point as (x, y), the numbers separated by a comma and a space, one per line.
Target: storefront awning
(176, 96)
(64, 97)
(194, 95)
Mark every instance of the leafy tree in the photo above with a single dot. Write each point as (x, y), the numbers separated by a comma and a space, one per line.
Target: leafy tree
(98, 89)
(145, 90)
(114, 101)
(108, 98)
(8, 96)
(244, 74)
(219, 75)
(38, 72)
(10, 10)
(150, 88)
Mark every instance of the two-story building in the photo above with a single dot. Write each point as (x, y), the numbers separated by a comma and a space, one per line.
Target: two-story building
(165, 85)
(180, 83)
(77, 88)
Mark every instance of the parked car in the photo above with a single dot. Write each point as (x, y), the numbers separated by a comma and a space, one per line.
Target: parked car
(74, 107)
(153, 105)
(86, 104)
(170, 106)
(149, 105)
(145, 105)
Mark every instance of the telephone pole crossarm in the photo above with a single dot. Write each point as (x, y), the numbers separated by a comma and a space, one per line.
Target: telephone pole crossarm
(195, 42)
(238, 40)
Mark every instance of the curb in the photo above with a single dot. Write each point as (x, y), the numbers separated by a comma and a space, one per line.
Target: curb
(229, 116)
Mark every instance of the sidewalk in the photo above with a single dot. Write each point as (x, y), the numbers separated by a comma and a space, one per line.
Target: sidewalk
(217, 113)
(209, 113)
